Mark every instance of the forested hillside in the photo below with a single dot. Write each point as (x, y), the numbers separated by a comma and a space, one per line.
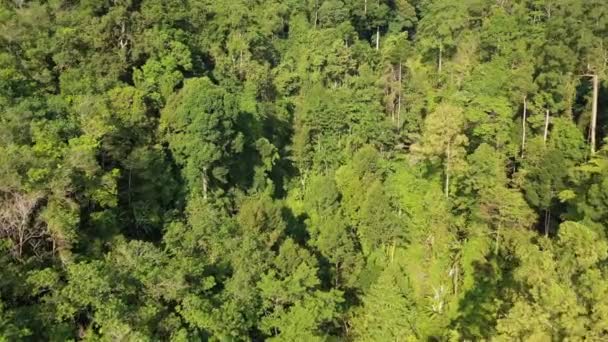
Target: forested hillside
(303, 170)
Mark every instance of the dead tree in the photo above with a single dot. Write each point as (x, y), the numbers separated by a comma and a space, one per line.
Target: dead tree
(19, 223)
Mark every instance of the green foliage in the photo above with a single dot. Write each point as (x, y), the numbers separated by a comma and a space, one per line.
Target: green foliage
(199, 124)
(319, 170)
(388, 310)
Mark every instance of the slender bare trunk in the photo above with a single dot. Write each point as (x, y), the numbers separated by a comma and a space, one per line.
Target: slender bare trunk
(241, 63)
(316, 12)
(390, 93)
(546, 126)
(303, 181)
(399, 98)
(497, 247)
(456, 274)
(377, 38)
(594, 112)
(447, 171)
(365, 7)
(129, 191)
(336, 280)
(547, 221)
(21, 241)
(122, 41)
(205, 182)
(523, 127)
(440, 62)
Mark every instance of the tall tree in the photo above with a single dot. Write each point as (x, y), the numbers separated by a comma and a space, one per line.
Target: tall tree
(443, 138)
(199, 125)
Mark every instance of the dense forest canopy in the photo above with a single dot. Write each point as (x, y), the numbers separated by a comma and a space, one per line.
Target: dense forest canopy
(303, 170)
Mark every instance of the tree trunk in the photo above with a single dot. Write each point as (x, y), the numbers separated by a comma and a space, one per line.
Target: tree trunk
(303, 181)
(547, 221)
(440, 62)
(497, 238)
(122, 42)
(336, 280)
(594, 112)
(523, 126)
(390, 93)
(399, 99)
(456, 276)
(316, 12)
(365, 7)
(21, 241)
(377, 38)
(454, 271)
(546, 133)
(447, 171)
(241, 63)
(205, 182)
